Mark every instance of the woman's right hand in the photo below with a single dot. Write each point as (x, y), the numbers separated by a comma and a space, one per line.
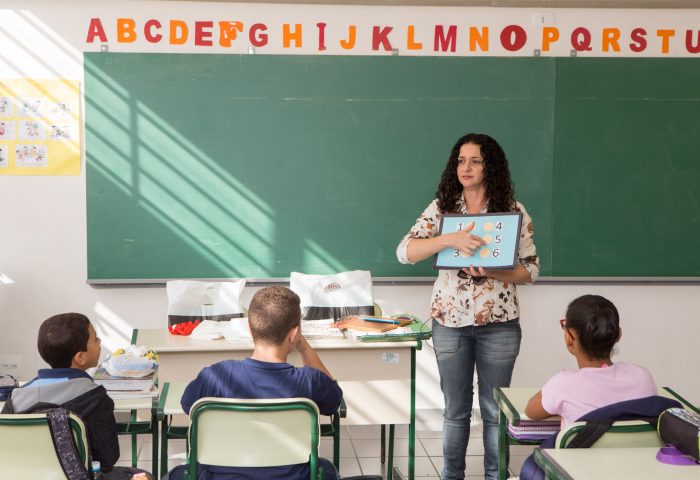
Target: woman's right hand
(465, 242)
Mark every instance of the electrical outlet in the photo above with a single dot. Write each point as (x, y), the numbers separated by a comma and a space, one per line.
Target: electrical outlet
(10, 364)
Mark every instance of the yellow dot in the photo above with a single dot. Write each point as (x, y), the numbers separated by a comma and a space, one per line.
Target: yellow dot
(485, 252)
(488, 226)
(487, 238)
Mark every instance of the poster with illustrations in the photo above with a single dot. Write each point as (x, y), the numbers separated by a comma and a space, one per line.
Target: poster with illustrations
(39, 127)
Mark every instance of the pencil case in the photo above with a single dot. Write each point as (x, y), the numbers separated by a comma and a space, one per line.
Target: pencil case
(681, 428)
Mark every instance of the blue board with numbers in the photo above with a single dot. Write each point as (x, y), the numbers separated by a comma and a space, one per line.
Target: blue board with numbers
(500, 231)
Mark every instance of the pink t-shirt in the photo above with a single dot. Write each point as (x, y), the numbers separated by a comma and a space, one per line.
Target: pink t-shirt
(573, 393)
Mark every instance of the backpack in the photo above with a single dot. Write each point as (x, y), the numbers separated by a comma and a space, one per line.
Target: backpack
(598, 422)
(64, 443)
(7, 384)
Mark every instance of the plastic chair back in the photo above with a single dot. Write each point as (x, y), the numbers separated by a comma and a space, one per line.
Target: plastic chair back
(623, 433)
(27, 450)
(254, 433)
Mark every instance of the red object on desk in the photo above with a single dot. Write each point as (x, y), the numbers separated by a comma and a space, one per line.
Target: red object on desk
(184, 328)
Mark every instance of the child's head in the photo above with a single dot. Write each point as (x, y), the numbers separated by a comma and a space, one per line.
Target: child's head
(69, 340)
(273, 313)
(595, 323)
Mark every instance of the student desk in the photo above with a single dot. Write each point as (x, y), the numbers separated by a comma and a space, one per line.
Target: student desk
(377, 378)
(511, 404)
(135, 427)
(610, 464)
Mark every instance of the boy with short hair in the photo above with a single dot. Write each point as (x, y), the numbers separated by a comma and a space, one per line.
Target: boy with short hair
(274, 317)
(69, 344)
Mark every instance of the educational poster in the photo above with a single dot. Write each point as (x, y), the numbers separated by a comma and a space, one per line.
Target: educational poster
(500, 231)
(39, 127)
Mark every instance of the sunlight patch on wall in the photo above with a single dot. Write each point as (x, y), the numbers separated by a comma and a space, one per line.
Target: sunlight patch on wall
(113, 330)
(5, 280)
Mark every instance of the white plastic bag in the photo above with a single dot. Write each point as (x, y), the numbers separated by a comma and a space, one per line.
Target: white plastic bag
(134, 361)
(191, 300)
(333, 296)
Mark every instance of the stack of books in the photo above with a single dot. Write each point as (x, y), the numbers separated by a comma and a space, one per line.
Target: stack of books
(534, 429)
(131, 387)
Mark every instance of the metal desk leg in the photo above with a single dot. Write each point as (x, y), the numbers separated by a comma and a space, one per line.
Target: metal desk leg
(382, 445)
(154, 440)
(164, 445)
(502, 446)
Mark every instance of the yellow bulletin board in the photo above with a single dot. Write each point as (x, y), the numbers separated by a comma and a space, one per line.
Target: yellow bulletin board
(39, 127)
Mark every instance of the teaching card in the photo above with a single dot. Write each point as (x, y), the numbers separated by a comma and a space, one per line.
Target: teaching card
(31, 156)
(31, 107)
(59, 110)
(6, 106)
(7, 130)
(500, 231)
(32, 130)
(60, 132)
(3, 156)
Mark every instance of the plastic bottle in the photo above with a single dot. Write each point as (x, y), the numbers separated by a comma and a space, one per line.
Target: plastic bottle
(96, 471)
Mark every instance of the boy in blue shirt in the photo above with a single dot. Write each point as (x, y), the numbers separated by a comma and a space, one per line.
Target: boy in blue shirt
(274, 317)
(69, 344)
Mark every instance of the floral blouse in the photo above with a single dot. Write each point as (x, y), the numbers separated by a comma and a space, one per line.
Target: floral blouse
(459, 302)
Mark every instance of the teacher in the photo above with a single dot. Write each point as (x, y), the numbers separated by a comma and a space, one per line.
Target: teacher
(474, 311)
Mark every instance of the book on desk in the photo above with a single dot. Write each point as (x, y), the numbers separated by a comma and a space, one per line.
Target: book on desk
(124, 384)
(534, 429)
(384, 329)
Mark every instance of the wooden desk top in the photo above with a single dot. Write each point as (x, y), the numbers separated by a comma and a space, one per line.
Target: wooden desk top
(162, 341)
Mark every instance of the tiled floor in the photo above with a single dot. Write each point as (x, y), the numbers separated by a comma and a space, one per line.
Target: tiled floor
(360, 453)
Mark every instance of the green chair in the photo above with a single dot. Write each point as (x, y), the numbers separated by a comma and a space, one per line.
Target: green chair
(623, 433)
(27, 450)
(253, 433)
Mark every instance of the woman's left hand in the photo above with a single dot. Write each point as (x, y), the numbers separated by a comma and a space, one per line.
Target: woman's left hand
(474, 272)
(518, 274)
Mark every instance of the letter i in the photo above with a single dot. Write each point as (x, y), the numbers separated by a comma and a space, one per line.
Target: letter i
(321, 36)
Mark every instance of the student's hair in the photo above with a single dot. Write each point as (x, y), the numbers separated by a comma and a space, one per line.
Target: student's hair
(596, 323)
(273, 312)
(61, 337)
(499, 187)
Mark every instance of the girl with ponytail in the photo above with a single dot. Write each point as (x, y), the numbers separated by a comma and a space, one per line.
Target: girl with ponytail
(591, 329)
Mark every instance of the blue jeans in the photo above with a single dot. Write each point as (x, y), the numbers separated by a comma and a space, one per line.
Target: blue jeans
(492, 348)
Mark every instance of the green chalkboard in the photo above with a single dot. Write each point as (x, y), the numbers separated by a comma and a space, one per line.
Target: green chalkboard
(626, 197)
(215, 166)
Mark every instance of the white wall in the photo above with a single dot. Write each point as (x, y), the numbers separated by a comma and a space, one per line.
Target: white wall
(43, 243)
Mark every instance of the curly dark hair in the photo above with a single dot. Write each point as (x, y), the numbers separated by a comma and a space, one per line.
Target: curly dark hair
(499, 187)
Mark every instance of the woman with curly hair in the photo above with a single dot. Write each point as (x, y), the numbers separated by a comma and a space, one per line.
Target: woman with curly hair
(474, 311)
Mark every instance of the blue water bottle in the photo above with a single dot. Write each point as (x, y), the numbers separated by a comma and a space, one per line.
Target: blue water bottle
(96, 471)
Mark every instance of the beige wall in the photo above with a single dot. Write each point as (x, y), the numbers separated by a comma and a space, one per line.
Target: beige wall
(43, 244)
